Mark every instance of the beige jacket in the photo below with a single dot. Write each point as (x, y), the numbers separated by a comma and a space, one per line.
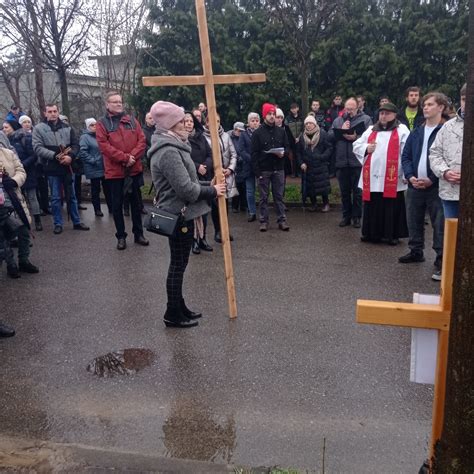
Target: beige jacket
(446, 154)
(10, 162)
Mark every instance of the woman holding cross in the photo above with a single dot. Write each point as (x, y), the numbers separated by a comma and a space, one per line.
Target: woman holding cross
(178, 190)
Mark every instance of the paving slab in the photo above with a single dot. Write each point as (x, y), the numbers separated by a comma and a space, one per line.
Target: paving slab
(292, 382)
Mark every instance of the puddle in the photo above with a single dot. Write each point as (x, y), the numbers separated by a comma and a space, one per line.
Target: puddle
(124, 362)
(193, 431)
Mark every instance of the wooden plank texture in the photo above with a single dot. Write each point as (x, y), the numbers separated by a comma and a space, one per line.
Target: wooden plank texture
(402, 314)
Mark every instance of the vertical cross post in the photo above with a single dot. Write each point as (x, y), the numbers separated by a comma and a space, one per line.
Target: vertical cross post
(425, 316)
(216, 156)
(208, 80)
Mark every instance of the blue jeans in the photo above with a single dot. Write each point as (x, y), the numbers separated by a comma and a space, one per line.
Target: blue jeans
(56, 183)
(418, 201)
(250, 190)
(451, 209)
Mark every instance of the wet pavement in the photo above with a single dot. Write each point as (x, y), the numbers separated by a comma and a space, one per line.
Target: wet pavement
(293, 382)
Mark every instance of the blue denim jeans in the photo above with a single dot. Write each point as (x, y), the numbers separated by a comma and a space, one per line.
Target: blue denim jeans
(250, 190)
(419, 201)
(277, 181)
(451, 209)
(56, 183)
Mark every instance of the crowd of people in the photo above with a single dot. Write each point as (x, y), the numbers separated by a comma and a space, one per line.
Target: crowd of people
(393, 166)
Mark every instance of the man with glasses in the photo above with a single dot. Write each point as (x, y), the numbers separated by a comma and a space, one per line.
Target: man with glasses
(345, 130)
(122, 144)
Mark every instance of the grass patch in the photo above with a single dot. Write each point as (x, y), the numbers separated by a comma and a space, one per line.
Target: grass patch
(292, 194)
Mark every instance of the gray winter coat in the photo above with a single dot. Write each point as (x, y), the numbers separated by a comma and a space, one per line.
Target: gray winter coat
(48, 137)
(343, 148)
(90, 156)
(175, 178)
(228, 153)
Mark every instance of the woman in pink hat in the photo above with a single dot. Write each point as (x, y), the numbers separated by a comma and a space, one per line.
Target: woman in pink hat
(178, 191)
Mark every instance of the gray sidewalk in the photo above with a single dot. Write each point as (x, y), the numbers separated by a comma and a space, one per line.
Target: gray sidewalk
(294, 372)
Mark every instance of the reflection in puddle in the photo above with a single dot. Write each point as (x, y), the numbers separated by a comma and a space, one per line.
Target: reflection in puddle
(125, 362)
(193, 432)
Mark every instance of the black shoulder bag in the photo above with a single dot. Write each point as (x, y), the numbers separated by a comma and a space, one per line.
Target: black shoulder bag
(163, 222)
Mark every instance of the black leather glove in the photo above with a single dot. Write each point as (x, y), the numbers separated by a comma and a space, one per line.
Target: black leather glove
(9, 183)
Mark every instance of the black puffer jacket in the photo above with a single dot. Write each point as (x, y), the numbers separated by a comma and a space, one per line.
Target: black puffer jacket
(22, 142)
(317, 161)
(201, 154)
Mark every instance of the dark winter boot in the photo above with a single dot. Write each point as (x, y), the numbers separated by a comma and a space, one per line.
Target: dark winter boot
(188, 313)
(12, 271)
(38, 225)
(195, 248)
(174, 317)
(27, 267)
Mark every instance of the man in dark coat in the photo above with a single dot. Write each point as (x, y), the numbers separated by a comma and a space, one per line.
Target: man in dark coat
(148, 130)
(412, 114)
(334, 111)
(268, 146)
(294, 121)
(318, 113)
(423, 185)
(345, 130)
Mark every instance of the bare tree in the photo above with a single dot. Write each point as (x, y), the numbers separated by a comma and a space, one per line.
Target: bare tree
(13, 66)
(23, 25)
(54, 32)
(117, 26)
(304, 23)
(66, 28)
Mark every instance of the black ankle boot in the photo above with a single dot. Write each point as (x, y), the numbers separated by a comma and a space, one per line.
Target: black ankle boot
(188, 313)
(195, 249)
(38, 225)
(174, 317)
(203, 245)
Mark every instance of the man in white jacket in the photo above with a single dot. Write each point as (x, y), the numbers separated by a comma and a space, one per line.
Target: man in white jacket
(382, 181)
(446, 157)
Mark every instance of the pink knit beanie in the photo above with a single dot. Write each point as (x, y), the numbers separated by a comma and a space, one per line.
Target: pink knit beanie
(166, 114)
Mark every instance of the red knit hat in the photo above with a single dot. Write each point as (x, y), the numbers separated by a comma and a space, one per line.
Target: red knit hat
(267, 108)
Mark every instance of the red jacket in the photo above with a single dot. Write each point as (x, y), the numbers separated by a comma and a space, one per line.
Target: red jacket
(118, 138)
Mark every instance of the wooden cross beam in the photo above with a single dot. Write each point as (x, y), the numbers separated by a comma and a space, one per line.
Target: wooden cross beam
(427, 316)
(208, 80)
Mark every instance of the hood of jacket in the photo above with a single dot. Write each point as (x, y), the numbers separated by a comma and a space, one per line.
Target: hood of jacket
(161, 140)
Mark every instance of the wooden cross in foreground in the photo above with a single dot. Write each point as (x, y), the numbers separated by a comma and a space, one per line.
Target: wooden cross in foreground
(427, 316)
(209, 80)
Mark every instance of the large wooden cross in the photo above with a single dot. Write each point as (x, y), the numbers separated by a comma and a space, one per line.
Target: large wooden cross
(208, 80)
(427, 316)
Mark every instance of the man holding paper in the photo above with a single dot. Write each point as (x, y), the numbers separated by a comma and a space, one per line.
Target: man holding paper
(345, 130)
(268, 147)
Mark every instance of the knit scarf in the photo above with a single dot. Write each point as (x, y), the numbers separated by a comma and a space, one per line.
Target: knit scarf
(311, 139)
(220, 131)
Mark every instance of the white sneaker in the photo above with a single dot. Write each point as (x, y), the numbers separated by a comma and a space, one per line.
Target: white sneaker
(436, 275)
